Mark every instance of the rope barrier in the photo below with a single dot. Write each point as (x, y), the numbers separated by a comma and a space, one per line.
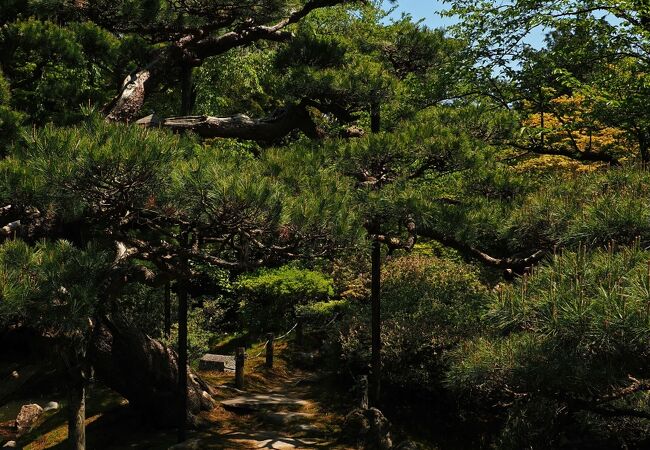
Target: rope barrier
(287, 333)
(336, 316)
(263, 349)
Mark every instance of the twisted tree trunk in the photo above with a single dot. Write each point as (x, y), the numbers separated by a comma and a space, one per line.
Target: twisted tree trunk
(268, 129)
(146, 373)
(77, 412)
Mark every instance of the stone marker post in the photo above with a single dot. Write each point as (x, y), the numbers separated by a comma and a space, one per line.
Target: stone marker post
(269, 350)
(240, 357)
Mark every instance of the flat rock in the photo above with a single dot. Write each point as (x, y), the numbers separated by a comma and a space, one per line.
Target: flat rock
(219, 363)
(271, 440)
(258, 402)
(286, 417)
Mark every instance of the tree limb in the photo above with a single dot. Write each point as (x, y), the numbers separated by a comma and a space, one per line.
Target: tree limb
(192, 49)
(516, 264)
(241, 126)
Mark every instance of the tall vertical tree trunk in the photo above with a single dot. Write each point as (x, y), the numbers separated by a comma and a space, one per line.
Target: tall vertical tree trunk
(182, 363)
(376, 323)
(168, 310)
(187, 95)
(375, 299)
(77, 412)
(541, 117)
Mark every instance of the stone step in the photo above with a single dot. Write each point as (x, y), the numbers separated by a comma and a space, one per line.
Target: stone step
(260, 402)
(273, 440)
(285, 418)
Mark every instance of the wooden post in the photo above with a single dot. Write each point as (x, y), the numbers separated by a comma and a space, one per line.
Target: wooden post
(269, 350)
(240, 357)
(300, 332)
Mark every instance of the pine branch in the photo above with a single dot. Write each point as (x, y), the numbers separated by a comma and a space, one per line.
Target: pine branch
(192, 49)
(515, 264)
(241, 126)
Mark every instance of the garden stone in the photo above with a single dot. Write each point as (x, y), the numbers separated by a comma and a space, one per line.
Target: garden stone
(27, 416)
(218, 363)
(368, 427)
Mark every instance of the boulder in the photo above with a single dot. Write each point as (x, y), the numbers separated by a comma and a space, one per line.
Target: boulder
(27, 417)
(369, 428)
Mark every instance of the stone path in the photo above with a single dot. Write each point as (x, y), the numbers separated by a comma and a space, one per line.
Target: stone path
(286, 422)
(262, 402)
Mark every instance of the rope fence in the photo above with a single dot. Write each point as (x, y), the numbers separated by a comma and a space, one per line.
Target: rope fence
(267, 347)
(336, 316)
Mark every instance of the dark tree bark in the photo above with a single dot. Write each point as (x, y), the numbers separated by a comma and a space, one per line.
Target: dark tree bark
(182, 363)
(376, 323)
(513, 263)
(193, 48)
(187, 94)
(375, 289)
(145, 372)
(168, 309)
(77, 411)
(270, 129)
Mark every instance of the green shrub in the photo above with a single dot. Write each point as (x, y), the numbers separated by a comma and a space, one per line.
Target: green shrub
(271, 295)
(198, 337)
(322, 311)
(9, 119)
(564, 341)
(429, 305)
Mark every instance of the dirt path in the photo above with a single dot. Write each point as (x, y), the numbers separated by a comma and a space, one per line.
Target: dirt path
(279, 408)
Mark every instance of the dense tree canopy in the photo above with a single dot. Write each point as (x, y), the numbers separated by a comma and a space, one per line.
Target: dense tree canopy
(469, 212)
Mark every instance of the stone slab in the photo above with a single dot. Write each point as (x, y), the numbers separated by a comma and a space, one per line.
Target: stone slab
(259, 402)
(219, 363)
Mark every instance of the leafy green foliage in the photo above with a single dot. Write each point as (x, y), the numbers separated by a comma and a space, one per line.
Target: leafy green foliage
(74, 171)
(235, 83)
(52, 285)
(321, 311)
(54, 70)
(429, 305)
(271, 294)
(9, 119)
(574, 331)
